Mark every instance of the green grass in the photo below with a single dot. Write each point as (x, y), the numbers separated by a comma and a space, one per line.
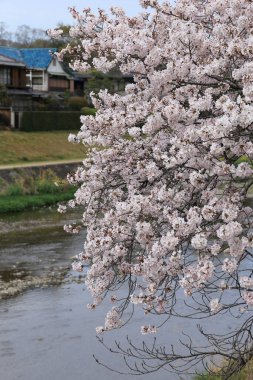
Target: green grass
(22, 202)
(24, 147)
(32, 191)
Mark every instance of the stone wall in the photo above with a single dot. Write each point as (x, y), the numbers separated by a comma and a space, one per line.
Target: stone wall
(61, 170)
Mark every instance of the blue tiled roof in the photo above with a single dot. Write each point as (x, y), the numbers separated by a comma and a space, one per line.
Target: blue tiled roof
(12, 53)
(37, 58)
(33, 58)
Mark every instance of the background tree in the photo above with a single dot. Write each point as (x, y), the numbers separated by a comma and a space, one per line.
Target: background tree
(24, 35)
(166, 200)
(5, 36)
(27, 37)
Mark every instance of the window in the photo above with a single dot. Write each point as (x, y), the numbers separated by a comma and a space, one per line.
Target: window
(5, 76)
(37, 81)
(37, 73)
(34, 78)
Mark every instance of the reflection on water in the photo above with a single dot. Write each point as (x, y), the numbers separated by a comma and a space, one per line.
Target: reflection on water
(34, 250)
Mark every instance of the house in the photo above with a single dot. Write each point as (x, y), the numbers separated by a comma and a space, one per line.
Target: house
(12, 82)
(37, 62)
(12, 69)
(30, 74)
(45, 73)
(41, 71)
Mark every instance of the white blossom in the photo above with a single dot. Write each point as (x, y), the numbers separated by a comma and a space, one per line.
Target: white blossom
(215, 305)
(199, 241)
(148, 329)
(229, 265)
(246, 282)
(166, 181)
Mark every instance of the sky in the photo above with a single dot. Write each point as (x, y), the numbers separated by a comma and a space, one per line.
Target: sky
(45, 14)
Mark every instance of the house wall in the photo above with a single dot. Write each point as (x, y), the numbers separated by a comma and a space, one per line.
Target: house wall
(58, 83)
(14, 77)
(33, 75)
(44, 85)
(18, 78)
(12, 73)
(55, 68)
(58, 80)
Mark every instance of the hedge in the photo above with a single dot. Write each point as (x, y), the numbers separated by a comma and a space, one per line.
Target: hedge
(50, 120)
(33, 121)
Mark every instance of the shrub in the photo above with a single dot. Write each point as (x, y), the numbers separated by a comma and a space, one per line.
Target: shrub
(47, 187)
(88, 111)
(14, 190)
(75, 103)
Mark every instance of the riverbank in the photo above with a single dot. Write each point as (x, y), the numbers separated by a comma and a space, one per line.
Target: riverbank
(29, 187)
(34, 250)
(13, 173)
(24, 202)
(18, 147)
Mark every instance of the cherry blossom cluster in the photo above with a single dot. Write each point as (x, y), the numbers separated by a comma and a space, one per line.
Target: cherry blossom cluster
(164, 189)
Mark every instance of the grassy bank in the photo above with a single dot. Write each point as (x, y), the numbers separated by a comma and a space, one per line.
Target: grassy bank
(22, 202)
(31, 191)
(25, 147)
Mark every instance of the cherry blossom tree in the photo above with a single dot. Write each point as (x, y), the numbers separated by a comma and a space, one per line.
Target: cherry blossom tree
(165, 189)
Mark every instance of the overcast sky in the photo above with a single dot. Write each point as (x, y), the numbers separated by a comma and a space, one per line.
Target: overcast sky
(45, 14)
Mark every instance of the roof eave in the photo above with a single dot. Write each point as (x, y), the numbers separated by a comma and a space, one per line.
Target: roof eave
(15, 64)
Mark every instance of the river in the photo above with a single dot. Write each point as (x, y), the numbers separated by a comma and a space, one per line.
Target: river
(46, 330)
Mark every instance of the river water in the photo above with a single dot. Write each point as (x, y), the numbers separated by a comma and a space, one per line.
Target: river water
(46, 330)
